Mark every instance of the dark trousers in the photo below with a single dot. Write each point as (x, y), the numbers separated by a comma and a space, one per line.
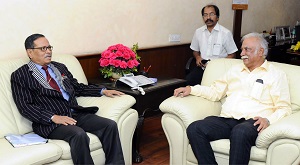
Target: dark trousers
(195, 76)
(105, 129)
(241, 133)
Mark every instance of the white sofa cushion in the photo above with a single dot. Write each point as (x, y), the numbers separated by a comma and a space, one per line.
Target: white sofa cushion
(34, 154)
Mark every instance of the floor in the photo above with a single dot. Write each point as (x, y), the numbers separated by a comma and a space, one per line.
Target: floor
(154, 145)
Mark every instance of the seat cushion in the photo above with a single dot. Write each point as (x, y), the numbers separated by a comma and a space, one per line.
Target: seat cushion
(95, 144)
(34, 154)
(222, 147)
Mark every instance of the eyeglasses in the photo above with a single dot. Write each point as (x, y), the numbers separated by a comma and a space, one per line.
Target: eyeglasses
(208, 15)
(44, 48)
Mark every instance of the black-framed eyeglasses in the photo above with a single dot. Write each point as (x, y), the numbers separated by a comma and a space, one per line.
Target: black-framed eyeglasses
(44, 48)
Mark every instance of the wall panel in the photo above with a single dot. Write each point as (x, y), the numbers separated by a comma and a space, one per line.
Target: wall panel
(166, 61)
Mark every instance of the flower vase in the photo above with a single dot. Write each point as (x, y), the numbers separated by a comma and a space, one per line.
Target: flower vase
(114, 78)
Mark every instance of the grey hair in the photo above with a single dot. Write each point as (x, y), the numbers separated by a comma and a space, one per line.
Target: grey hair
(262, 41)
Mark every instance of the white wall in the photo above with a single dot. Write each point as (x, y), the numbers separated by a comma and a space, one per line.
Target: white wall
(89, 26)
(266, 14)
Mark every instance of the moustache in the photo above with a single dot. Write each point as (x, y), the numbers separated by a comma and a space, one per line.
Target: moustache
(48, 55)
(209, 20)
(244, 57)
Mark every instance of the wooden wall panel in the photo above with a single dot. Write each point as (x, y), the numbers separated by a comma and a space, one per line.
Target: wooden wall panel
(90, 65)
(166, 61)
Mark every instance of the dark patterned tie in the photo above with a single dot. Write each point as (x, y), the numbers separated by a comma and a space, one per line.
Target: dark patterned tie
(50, 80)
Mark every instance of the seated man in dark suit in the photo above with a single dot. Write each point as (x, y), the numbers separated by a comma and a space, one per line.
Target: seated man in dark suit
(44, 92)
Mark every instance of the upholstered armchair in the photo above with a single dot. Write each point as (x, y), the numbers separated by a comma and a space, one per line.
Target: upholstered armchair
(58, 151)
(279, 144)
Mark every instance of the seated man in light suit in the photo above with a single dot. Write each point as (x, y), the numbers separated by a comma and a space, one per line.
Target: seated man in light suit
(257, 96)
(44, 92)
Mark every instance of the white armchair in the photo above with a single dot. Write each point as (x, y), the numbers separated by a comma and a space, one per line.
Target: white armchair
(277, 145)
(58, 151)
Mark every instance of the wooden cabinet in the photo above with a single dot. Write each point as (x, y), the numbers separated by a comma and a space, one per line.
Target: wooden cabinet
(278, 53)
(281, 53)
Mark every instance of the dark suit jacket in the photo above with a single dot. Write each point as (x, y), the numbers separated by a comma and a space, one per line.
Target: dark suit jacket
(38, 101)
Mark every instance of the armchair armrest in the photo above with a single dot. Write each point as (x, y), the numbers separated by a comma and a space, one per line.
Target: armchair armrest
(111, 108)
(190, 64)
(190, 108)
(117, 109)
(286, 128)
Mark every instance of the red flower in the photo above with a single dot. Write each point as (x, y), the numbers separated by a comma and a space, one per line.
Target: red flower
(120, 59)
(104, 62)
(132, 63)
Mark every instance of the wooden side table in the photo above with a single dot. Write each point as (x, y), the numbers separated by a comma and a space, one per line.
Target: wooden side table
(145, 104)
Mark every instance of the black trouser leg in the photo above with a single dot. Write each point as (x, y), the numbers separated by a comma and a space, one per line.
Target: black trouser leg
(107, 131)
(243, 137)
(201, 132)
(78, 141)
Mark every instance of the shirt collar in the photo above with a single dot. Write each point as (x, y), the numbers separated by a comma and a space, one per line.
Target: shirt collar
(264, 66)
(40, 66)
(217, 27)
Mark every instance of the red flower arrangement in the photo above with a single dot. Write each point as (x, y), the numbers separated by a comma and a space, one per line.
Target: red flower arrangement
(119, 59)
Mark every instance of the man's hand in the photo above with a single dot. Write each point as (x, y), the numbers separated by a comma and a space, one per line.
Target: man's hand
(262, 122)
(198, 62)
(231, 55)
(65, 120)
(182, 92)
(198, 58)
(112, 93)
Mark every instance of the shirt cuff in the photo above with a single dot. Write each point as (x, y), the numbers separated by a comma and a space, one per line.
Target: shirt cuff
(268, 121)
(196, 90)
(51, 118)
(101, 92)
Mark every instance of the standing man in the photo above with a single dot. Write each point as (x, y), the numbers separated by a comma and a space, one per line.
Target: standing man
(210, 41)
(257, 96)
(45, 93)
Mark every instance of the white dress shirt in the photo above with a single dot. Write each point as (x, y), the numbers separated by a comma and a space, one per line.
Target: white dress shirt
(215, 44)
